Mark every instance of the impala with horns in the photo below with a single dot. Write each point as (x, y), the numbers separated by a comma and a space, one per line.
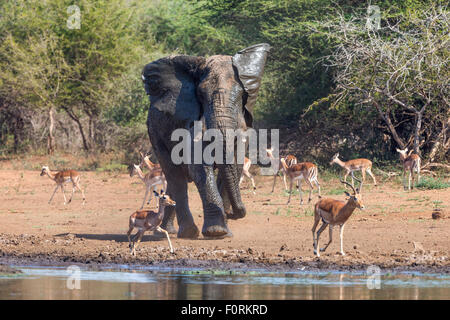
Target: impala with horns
(335, 213)
(350, 166)
(150, 165)
(410, 163)
(151, 180)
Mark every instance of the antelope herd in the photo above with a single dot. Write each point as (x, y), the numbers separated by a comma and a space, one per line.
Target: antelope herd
(330, 211)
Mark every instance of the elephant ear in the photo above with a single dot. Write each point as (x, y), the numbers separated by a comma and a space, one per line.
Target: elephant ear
(171, 84)
(249, 63)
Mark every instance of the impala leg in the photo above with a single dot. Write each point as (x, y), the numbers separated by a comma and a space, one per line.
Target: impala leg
(82, 192)
(345, 178)
(73, 191)
(341, 236)
(311, 187)
(404, 179)
(136, 243)
(409, 181)
(145, 196)
(250, 176)
(329, 240)
(322, 227)
(274, 181)
(64, 195)
(167, 235)
(412, 175)
(418, 172)
(284, 179)
(316, 222)
(318, 186)
(290, 190)
(363, 173)
(369, 171)
(151, 194)
(353, 176)
(241, 179)
(128, 235)
(299, 188)
(51, 198)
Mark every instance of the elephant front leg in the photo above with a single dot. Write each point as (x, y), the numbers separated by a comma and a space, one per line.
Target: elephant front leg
(214, 224)
(177, 190)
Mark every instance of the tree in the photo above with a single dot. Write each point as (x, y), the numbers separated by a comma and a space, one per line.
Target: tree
(401, 70)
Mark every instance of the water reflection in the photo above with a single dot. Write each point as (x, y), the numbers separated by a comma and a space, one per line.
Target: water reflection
(51, 284)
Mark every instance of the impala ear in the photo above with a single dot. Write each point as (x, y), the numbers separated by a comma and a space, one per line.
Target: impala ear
(155, 193)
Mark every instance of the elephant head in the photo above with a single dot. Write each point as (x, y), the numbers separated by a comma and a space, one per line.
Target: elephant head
(220, 89)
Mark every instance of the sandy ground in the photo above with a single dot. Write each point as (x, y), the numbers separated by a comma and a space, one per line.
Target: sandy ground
(395, 232)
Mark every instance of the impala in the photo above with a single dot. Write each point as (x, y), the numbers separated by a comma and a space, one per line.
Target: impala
(151, 180)
(148, 220)
(246, 172)
(62, 177)
(150, 165)
(289, 160)
(301, 171)
(410, 162)
(363, 165)
(335, 212)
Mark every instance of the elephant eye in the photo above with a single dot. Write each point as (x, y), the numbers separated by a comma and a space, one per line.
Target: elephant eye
(152, 85)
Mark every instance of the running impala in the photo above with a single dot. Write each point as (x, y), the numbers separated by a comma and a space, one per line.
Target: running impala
(350, 166)
(62, 177)
(148, 220)
(246, 173)
(335, 213)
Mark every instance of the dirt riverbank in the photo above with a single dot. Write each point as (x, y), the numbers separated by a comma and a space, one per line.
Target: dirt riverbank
(395, 232)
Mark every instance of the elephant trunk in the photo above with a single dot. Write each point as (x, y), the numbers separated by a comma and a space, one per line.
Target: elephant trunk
(230, 177)
(229, 173)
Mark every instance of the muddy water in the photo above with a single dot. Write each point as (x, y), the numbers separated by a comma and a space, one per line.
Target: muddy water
(148, 283)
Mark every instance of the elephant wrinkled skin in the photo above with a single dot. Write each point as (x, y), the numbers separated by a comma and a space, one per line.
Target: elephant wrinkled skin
(221, 90)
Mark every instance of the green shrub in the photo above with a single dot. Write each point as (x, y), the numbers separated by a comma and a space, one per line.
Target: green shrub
(432, 183)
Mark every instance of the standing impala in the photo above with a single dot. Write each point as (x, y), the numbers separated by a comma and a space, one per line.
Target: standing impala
(335, 212)
(363, 165)
(301, 171)
(151, 180)
(148, 220)
(246, 172)
(289, 161)
(410, 162)
(62, 177)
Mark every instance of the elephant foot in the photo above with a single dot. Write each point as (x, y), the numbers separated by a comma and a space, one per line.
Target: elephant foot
(188, 232)
(215, 228)
(236, 214)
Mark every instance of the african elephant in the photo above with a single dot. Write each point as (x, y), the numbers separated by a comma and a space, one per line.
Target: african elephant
(221, 91)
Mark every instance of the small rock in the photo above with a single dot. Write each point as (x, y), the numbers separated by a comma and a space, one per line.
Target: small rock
(355, 247)
(283, 247)
(437, 214)
(250, 251)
